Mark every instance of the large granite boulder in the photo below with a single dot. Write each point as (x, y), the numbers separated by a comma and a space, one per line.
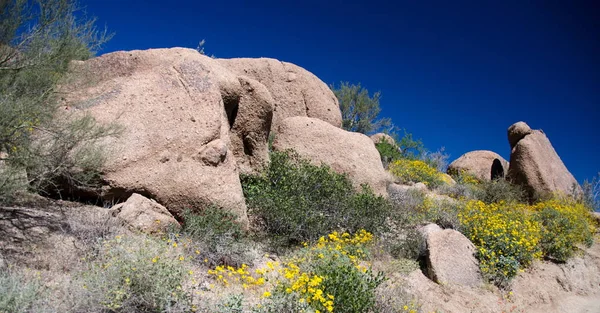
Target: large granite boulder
(535, 165)
(346, 152)
(484, 165)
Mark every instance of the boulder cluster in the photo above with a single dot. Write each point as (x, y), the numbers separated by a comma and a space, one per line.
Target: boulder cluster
(534, 164)
(194, 123)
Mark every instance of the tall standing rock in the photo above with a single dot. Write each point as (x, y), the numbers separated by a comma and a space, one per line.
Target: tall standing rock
(346, 152)
(484, 165)
(535, 165)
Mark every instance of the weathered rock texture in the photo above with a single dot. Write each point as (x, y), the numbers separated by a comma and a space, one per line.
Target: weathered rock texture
(192, 123)
(346, 152)
(143, 214)
(296, 91)
(451, 259)
(484, 165)
(176, 147)
(535, 165)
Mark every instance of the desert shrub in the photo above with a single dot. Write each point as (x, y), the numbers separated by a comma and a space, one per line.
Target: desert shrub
(590, 193)
(460, 191)
(18, 293)
(405, 244)
(498, 190)
(37, 42)
(415, 171)
(506, 236)
(388, 151)
(437, 159)
(564, 223)
(359, 110)
(298, 201)
(136, 274)
(392, 297)
(282, 302)
(217, 234)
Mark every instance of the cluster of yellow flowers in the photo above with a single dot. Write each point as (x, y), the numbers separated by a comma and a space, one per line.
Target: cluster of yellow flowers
(225, 274)
(509, 236)
(416, 171)
(292, 279)
(464, 177)
(506, 236)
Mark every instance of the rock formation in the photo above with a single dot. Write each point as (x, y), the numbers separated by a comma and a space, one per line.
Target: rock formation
(143, 214)
(192, 123)
(535, 165)
(451, 259)
(484, 165)
(346, 152)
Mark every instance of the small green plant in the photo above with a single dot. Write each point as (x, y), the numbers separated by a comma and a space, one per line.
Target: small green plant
(298, 201)
(137, 274)
(231, 304)
(498, 190)
(388, 151)
(18, 293)
(416, 171)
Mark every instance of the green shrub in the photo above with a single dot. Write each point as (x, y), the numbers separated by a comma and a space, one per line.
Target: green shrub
(217, 234)
(388, 151)
(137, 274)
(416, 171)
(298, 201)
(498, 190)
(564, 224)
(19, 294)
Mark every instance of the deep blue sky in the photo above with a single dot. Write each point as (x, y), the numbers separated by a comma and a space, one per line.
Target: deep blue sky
(455, 74)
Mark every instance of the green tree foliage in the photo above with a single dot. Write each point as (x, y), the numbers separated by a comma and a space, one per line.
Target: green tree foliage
(38, 39)
(359, 109)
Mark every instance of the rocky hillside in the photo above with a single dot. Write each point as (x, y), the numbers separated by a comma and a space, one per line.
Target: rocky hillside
(233, 188)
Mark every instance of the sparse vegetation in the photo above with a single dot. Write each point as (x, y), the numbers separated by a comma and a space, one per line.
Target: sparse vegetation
(137, 274)
(18, 293)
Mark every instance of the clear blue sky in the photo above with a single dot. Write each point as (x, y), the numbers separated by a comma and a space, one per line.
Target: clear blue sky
(455, 74)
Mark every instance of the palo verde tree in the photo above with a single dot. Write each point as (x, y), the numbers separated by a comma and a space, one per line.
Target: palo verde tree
(359, 109)
(38, 147)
